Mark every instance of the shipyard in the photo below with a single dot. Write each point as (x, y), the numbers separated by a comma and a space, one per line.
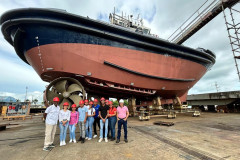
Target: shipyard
(130, 80)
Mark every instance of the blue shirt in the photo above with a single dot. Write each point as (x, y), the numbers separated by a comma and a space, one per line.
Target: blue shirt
(96, 110)
(82, 113)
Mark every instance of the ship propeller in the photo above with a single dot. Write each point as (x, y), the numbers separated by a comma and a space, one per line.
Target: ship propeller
(66, 89)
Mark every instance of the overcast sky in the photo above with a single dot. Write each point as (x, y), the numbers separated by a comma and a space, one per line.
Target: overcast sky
(162, 16)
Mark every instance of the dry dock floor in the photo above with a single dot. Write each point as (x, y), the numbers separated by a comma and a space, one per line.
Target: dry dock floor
(211, 136)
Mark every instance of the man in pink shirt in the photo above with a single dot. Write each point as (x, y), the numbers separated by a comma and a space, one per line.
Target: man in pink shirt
(122, 116)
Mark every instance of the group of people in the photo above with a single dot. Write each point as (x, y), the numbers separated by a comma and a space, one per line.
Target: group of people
(87, 115)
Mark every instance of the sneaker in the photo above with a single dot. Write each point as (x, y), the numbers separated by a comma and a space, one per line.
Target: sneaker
(46, 149)
(126, 141)
(51, 145)
(86, 138)
(100, 140)
(95, 136)
(83, 140)
(74, 141)
(89, 139)
(118, 140)
(106, 140)
(113, 139)
(64, 143)
(70, 141)
(61, 143)
(80, 139)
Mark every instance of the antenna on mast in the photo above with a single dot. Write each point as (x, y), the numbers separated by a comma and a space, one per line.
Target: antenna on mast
(26, 94)
(217, 87)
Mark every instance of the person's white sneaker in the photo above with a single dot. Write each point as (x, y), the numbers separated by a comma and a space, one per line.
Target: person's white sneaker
(95, 136)
(70, 141)
(74, 141)
(61, 143)
(106, 140)
(89, 139)
(100, 140)
(64, 143)
(86, 138)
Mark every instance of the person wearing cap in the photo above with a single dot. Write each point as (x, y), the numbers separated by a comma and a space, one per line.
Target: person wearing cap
(107, 102)
(64, 118)
(83, 111)
(112, 120)
(90, 120)
(86, 103)
(91, 103)
(103, 114)
(122, 116)
(96, 117)
(73, 123)
(51, 118)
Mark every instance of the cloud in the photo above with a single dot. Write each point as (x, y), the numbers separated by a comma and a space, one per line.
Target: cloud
(6, 47)
(16, 75)
(163, 17)
(102, 16)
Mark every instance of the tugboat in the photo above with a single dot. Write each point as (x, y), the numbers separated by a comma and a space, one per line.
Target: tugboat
(119, 59)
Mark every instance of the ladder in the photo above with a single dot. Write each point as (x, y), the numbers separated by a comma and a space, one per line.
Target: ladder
(233, 29)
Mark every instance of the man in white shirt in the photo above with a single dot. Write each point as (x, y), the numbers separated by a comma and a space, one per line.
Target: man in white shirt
(51, 118)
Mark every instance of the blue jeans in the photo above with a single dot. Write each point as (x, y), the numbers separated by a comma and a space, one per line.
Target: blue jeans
(120, 123)
(72, 129)
(101, 128)
(112, 124)
(89, 124)
(63, 131)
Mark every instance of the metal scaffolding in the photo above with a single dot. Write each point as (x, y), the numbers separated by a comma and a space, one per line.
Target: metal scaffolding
(203, 15)
(232, 22)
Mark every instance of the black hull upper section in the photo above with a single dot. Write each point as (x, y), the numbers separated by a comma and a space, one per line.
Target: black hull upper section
(26, 28)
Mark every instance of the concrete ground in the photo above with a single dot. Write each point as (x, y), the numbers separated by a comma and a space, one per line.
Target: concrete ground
(211, 136)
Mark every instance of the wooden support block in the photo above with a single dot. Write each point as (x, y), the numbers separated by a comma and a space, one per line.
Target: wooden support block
(28, 116)
(164, 123)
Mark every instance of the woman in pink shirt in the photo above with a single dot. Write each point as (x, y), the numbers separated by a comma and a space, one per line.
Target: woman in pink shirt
(73, 123)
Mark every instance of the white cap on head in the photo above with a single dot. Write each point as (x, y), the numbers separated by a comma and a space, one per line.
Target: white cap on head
(121, 101)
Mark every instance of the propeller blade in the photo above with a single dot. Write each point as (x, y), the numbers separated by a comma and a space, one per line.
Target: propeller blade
(51, 95)
(63, 101)
(73, 88)
(75, 99)
(61, 86)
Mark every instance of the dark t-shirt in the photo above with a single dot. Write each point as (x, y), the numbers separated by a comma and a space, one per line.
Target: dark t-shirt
(104, 110)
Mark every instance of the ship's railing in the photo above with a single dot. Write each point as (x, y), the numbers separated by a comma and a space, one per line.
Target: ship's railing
(129, 22)
(125, 21)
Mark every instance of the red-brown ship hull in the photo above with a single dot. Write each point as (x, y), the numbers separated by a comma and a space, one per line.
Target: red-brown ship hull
(80, 59)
